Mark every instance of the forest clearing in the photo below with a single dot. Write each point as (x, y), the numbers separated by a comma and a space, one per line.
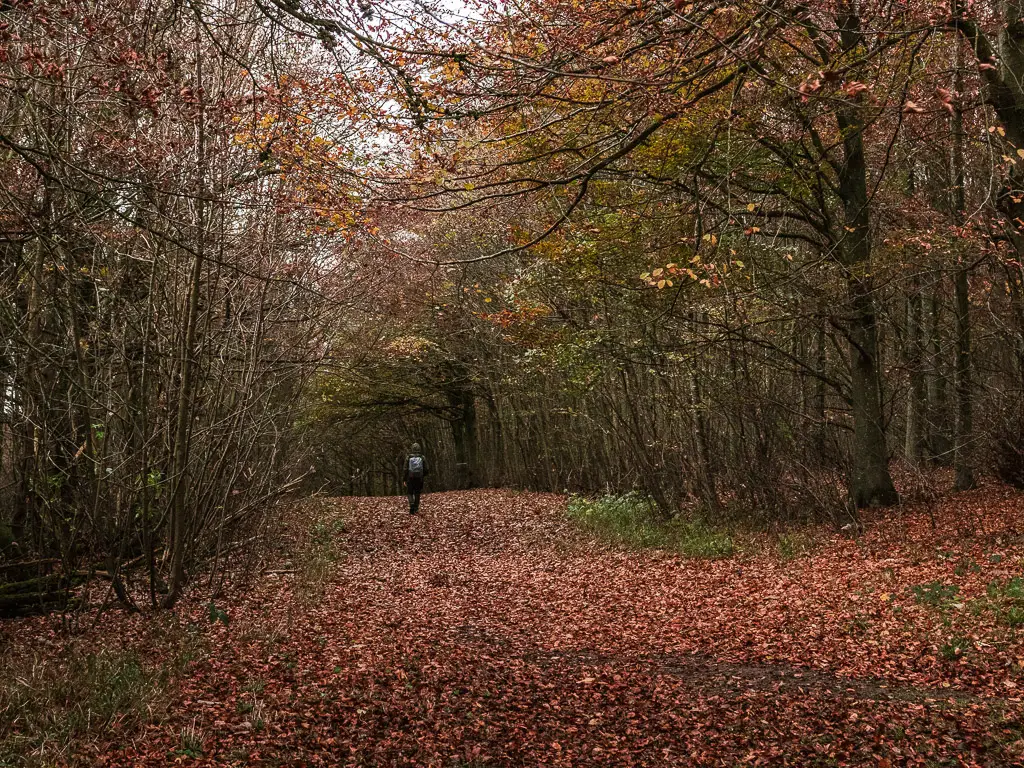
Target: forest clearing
(493, 630)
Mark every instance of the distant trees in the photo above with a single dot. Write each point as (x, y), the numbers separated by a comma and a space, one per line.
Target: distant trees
(779, 234)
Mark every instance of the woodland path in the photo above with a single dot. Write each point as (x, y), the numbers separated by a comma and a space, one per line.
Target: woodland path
(487, 631)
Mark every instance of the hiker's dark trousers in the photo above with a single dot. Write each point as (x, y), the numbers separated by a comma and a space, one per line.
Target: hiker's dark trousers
(415, 488)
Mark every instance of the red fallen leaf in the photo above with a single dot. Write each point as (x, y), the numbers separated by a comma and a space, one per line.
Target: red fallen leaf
(808, 87)
(855, 88)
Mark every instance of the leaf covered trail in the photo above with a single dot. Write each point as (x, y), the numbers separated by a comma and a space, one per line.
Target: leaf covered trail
(488, 631)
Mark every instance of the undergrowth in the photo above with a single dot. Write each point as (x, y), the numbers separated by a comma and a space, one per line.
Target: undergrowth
(1006, 601)
(792, 545)
(631, 520)
(50, 704)
(317, 554)
(46, 707)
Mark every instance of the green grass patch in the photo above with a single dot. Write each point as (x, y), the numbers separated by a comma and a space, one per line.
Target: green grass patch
(1006, 601)
(54, 702)
(936, 594)
(631, 520)
(317, 555)
(792, 545)
(49, 705)
(954, 648)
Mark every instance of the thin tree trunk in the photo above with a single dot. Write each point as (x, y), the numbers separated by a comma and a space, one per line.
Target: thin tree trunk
(961, 302)
(938, 439)
(916, 397)
(179, 464)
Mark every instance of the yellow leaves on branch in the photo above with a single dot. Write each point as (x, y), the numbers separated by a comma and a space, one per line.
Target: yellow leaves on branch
(661, 277)
(709, 275)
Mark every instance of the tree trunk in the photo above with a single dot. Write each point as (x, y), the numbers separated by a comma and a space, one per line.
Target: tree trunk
(870, 482)
(937, 438)
(818, 413)
(914, 439)
(463, 423)
(708, 486)
(961, 302)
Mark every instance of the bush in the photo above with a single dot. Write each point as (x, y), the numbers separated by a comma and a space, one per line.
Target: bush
(632, 520)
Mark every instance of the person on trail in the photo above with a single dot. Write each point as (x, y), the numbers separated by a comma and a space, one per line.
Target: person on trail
(415, 470)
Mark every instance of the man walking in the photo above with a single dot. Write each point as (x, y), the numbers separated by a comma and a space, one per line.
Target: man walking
(415, 471)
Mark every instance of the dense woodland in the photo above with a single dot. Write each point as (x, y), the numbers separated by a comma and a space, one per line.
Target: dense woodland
(748, 258)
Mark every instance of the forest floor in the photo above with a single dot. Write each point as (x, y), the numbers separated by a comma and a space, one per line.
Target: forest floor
(489, 630)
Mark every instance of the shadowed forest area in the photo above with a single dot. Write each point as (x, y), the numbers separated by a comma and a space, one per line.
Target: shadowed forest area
(708, 317)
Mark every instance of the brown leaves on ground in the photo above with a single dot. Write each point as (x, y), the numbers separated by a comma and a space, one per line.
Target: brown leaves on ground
(487, 631)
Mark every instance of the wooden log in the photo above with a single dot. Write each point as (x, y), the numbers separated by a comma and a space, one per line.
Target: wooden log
(29, 563)
(37, 584)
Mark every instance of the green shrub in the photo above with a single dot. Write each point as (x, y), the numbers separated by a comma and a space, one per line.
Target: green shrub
(632, 520)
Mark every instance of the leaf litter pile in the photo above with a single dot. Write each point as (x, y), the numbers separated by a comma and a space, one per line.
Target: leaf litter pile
(488, 630)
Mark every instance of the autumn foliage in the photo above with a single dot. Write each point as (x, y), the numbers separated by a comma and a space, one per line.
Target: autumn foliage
(728, 295)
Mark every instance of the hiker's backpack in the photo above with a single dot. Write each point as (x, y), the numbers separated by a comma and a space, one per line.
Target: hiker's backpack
(416, 467)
